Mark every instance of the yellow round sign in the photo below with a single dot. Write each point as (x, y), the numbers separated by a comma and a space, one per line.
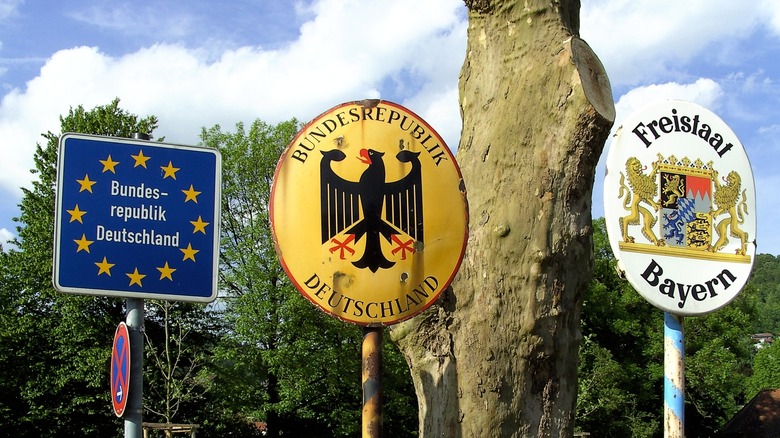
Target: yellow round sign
(369, 214)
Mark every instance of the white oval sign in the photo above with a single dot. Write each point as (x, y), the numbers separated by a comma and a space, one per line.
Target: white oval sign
(680, 207)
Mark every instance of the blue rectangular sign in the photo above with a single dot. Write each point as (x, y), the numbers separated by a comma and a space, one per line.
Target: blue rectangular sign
(137, 219)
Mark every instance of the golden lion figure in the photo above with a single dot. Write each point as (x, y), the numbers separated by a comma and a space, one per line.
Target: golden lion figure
(726, 197)
(643, 189)
(673, 187)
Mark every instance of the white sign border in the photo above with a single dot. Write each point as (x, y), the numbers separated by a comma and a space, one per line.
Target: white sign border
(697, 285)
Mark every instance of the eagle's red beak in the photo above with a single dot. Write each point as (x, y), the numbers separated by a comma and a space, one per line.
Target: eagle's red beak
(364, 158)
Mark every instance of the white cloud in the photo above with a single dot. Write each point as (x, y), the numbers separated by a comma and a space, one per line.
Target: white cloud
(704, 92)
(9, 8)
(344, 53)
(136, 20)
(640, 41)
(771, 10)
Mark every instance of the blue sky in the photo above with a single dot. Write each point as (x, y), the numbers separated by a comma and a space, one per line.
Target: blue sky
(200, 63)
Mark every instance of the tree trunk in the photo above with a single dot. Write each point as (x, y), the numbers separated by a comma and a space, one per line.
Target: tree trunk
(497, 356)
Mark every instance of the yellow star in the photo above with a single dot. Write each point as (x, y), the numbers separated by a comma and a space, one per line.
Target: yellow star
(86, 184)
(105, 267)
(166, 271)
(140, 159)
(109, 164)
(83, 243)
(199, 225)
(192, 194)
(76, 214)
(135, 278)
(169, 170)
(189, 253)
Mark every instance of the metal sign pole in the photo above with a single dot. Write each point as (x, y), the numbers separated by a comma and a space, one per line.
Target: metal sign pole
(372, 382)
(674, 376)
(135, 326)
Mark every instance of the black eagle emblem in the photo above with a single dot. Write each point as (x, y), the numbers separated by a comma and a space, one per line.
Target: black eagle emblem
(355, 208)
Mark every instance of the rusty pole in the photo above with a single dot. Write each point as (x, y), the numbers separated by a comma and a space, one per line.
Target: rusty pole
(372, 382)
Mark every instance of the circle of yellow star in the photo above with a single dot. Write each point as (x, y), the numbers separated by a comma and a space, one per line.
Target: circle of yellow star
(189, 253)
(104, 267)
(191, 194)
(86, 184)
(166, 271)
(169, 170)
(140, 159)
(135, 278)
(76, 214)
(109, 164)
(83, 243)
(199, 225)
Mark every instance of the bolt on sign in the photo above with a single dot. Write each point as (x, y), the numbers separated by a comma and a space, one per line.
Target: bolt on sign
(680, 207)
(369, 214)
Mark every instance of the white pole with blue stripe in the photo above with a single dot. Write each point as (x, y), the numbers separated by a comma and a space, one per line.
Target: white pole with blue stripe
(674, 376)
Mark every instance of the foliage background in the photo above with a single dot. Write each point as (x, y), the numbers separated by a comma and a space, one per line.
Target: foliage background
(262, 353)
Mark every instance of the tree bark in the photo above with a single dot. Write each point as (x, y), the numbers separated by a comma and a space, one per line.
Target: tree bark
(497, 356)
